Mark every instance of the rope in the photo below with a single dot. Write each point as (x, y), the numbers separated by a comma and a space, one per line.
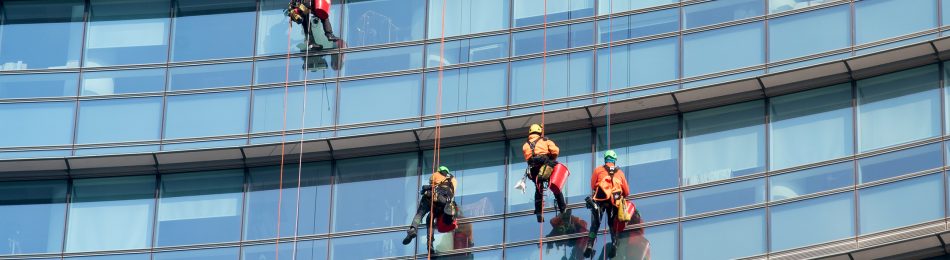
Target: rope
(303, 125)
(544, 70)
(438, 135)
(610, 70)
(280, 182)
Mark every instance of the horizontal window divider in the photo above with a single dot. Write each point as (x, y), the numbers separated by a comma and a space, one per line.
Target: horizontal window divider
(655, 193)
(626, 90)
(460, 37)
(763, 256)
(808, 8)
(292, 132)
(125, 67)
(290, 239)
(653, 223)
(835, 245)
(378, 123)
(36, 148)
(210, 62)
(466, 113)
(159, 249)
(381, 75)
(811, 165)
(205, 138)
(820, 194)
(865, 240)
(121, 96)
(370, 231)
(900, 147)
(722, 212)
(466, 64)
(723, 181)
(603, 45)
(383, 46)
(39, 71)
(207, 90)
(894, 40)
(104, 252)
(459, 251)
(711, 27)
(902, 177)
(845, 50)
(38, 100)
(647, 10)
(725, 73)
(30, 256)
(296, 54)
(552, 24)
(117, 144)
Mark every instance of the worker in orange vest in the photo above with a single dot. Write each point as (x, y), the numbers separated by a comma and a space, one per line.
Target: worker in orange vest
(541, 155)
(299, 12)
(609, 190)
(439, 194)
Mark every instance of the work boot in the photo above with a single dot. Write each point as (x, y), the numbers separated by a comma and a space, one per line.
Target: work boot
(331, 37)
(561, 205)
(611, 249)
(410, 234)
(540, 218)
(589, 250)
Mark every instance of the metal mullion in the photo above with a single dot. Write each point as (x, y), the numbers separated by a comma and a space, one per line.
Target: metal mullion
(504, 214)
(156, 200)
(80, 74)
(67, 204)
(943, 127)
(250, 114)
(246, 188)
(854, 146)
(681, 138)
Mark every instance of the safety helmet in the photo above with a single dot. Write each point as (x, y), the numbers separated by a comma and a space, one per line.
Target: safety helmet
(610, 156)
(444, 170)
(535, 128)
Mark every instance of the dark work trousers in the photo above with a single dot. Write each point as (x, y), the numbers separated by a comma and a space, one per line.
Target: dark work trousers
(597, 214)
(540, 186)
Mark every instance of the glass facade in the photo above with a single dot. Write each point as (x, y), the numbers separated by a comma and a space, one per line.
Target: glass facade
(718, 183)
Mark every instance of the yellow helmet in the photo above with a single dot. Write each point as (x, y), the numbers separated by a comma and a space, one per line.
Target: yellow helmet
(535, 128)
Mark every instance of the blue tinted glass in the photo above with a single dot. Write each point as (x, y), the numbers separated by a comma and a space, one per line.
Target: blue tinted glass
(264, 192)
(467, 17)
(723, 142)
(273, 29)
(117, 150)
(887, 206)
(810, 126)
(369, 246)
(383, 21)
(492, 254)
(873, 18)
(575, 154)
(119, 120)
(721, 79)
(613, 6)
(41, 34)
(529, 42)
(723, 49)
(35, 154)
(789, 35)
(527, 228)
(127, 32)
(724, 197)
(829, 218)
(810, 181)
(312, 250)
(567, 75)
(662, 241)
(232, 23)
(269, 251)
(268, 110)
(566, 249)
(898, 108)
(714, 12)
(276, 71)
(197, 208)
(651, 23)
(111, 257)
(394, 182)
(467, 50)
(653, 61)
(206, 114)
(38, 85)
(658, 207)
(209, 76)
(467, 88)
(360, 101)
(111, 214)
(467, 235)
(618, 28)
(122, 82)
(34, 212)
(725, 237)
(37, 123)
(529, 12)
(901, 162)
(383, 60)
(582, 34)
(202, 254)
(648, 152)
(203, 144)
(480, 170)
(785, 5)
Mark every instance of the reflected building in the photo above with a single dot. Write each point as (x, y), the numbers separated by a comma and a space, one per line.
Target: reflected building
(748, 129)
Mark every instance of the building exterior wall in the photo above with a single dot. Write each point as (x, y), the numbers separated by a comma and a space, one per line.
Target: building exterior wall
(118, 77)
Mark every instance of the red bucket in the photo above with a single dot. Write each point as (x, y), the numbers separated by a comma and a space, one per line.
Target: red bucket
(559, 178)
(443, 227)
(321, 8)
(630, 209)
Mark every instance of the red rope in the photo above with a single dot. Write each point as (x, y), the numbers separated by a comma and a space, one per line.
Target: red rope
(436, 150)
(280, 184)
(303, 124)
(544, 70)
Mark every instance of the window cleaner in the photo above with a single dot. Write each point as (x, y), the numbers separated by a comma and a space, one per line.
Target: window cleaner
(541, 155)
(442, 183)
(609, 191)
(299, 12)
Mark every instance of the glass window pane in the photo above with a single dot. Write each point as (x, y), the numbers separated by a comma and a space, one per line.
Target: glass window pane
(789, 35)
(725, 237)
(467, 50)
(202, 254)
(312, 250)
(873, 18)
(383, 60)
(901, 162)
(122, 82)
(209, 76)
(467, 17)
(41, 34)
(776, 6)
(567, 75)
(394, 182)
(111, 214)
(658, 207)
(529, 12)
(724, 142)
(581, 35)
(898, 108)
(723, 49)
(398, 95)
(467, 88)
(111, 257)
(268, 111)
(887, 206)
(529, 42)
(467, 235)
(648, 152)
(124, 32)
(119, 120)
(653, 62)
(275, 71)
(34, 212)
(32, 124)
(197, 208)
(383, 21)
(206, 114)
(714, 12)
(651, 23)
(232, 23)
(810, 126)
(263, 195)
(38, 85)
(791, 185)
(567, 249)
(526, 228)
(272, 29)
(370, 246)
(829, 218)
(723, 197)
(614, 6)
(269, 251)
(480, 170)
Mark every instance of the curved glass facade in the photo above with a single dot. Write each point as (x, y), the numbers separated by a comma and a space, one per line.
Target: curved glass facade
(100, 77)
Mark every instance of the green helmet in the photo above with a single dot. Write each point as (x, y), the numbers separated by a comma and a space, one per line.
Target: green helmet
(610, 156)
(444, 170)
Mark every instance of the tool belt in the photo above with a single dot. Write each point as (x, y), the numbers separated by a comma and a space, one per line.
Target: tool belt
(297, 11)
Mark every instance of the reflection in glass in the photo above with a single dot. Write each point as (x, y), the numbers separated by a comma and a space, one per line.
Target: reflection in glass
(202, 254)
(124, 32)
(263, 194)
(723, 142)
(794, 184)
(776, 6)
(383, 21)
(38, 85)
(206, 114)
(901, 162)
(467, 50)
(122, 81)
(810, 126)
(614, 6)
(530, 12)
(899, 107)
(34, 212)
(873, 19)
(46, 123)
(275, 71)
(467, 235)
(658, 207)
(714, 12)
(273, 29)
(393, 182)
(43, 34)
(383, 60)
(369, 246)
(111, 214)
(888, 206)
(119, 120)
(723, 49)
(639, 25)
(467, 17)
(208, 29)
(267, 252)
(110, 257)
(529, 42)
(312, 250)
(567, 75)
(730, 236)
(467, 88)
(526, 228)
(828, 218)
(480, 170)
(575, 154)
(723, 196)
(209, 76)
(398, 95)
(268, 110)
(648, 152)
(197, 208)
(790, 36)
